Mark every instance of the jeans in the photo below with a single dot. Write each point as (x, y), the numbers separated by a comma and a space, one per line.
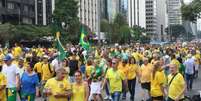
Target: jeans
(189, 80)
(123, 90)
(116, 96)
(107, 89)
(131, 87)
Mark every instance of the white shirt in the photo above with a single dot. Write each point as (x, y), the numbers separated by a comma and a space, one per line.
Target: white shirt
(56, 64)
(10, 72)
(189, 66)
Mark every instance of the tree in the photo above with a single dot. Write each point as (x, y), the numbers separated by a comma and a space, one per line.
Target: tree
(16, 33)
(192, 11)
(175, 31)
(65, 19)
(137, 34)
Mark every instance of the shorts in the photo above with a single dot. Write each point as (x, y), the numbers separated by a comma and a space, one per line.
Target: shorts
(160, 98)
(146, 86)
(11, 94)
(96, 87)
(27, 97)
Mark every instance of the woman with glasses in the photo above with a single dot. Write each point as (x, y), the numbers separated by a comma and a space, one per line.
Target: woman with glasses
(80, 90)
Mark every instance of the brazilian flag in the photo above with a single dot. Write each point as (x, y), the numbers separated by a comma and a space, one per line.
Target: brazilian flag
(84, 40)
(60, 48)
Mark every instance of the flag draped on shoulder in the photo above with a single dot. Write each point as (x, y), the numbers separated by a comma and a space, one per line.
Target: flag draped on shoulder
(83, 40)
(60, 48)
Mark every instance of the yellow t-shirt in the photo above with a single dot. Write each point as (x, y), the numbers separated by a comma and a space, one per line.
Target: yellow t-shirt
(115, 79)
(57, 87)
(145, 72)
(176, 87)
(78, 92)
(156, 82)
(2, 83)
(38, 67)
(46, 72)
(17, 51)
(136, 56)
(123, 69)
(89, 70)
(132, 70)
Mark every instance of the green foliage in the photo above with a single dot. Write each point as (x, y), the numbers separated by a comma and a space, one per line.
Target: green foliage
(176, 31)
(137, 34)
(66, 12)
(119, 32)
(192, 11)
(9, 32)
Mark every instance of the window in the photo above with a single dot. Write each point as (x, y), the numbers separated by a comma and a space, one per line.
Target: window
(0, 3)
(10, 6)
(26, 8)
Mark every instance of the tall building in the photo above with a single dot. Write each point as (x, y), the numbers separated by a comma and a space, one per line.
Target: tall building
(136, 13)
(37, 12)
(113, 8)
(174, 12)
(161, 20)
(151, 17)
(156, 19)
(43, 12)
(17, 11)
(88, 13)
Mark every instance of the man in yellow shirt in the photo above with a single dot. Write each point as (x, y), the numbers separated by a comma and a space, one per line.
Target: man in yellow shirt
(58, 88)
(47, 69)
(115, 78)
(17, 51)
(3, 83)
(123, 67)
(38, 68)
(176, 83)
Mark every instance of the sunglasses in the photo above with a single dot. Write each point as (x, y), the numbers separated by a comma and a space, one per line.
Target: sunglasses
(114, 63)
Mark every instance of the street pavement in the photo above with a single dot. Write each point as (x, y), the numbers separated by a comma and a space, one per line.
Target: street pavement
(138, 90)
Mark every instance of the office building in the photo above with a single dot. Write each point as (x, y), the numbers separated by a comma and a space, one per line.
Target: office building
(17, 11)
(88, 13)
(136, 13)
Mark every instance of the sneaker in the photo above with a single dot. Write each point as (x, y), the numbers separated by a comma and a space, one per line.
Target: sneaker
(123, 98)
(106, 98)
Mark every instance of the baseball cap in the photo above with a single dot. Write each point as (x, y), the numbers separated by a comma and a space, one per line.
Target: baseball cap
(7, 58)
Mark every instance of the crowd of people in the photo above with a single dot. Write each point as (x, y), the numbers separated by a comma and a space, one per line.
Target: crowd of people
(165, 73)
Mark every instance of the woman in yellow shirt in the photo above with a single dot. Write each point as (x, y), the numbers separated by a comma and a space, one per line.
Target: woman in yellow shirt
(158, 81)
(2, 86)
(133, 70)
(80, 89)
(145, 77)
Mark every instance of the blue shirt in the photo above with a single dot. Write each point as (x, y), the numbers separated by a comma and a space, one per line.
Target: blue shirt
(29, 83)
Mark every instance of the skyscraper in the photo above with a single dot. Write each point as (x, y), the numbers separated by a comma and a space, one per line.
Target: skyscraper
(174, 12)
(113, 9)
(136, 13)
(88, 13)
(156, 19)
(151, 17)
(43, 12)
(17, 11)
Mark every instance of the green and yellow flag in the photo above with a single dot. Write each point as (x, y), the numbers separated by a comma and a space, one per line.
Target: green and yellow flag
(83, 42)
(60, 48)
